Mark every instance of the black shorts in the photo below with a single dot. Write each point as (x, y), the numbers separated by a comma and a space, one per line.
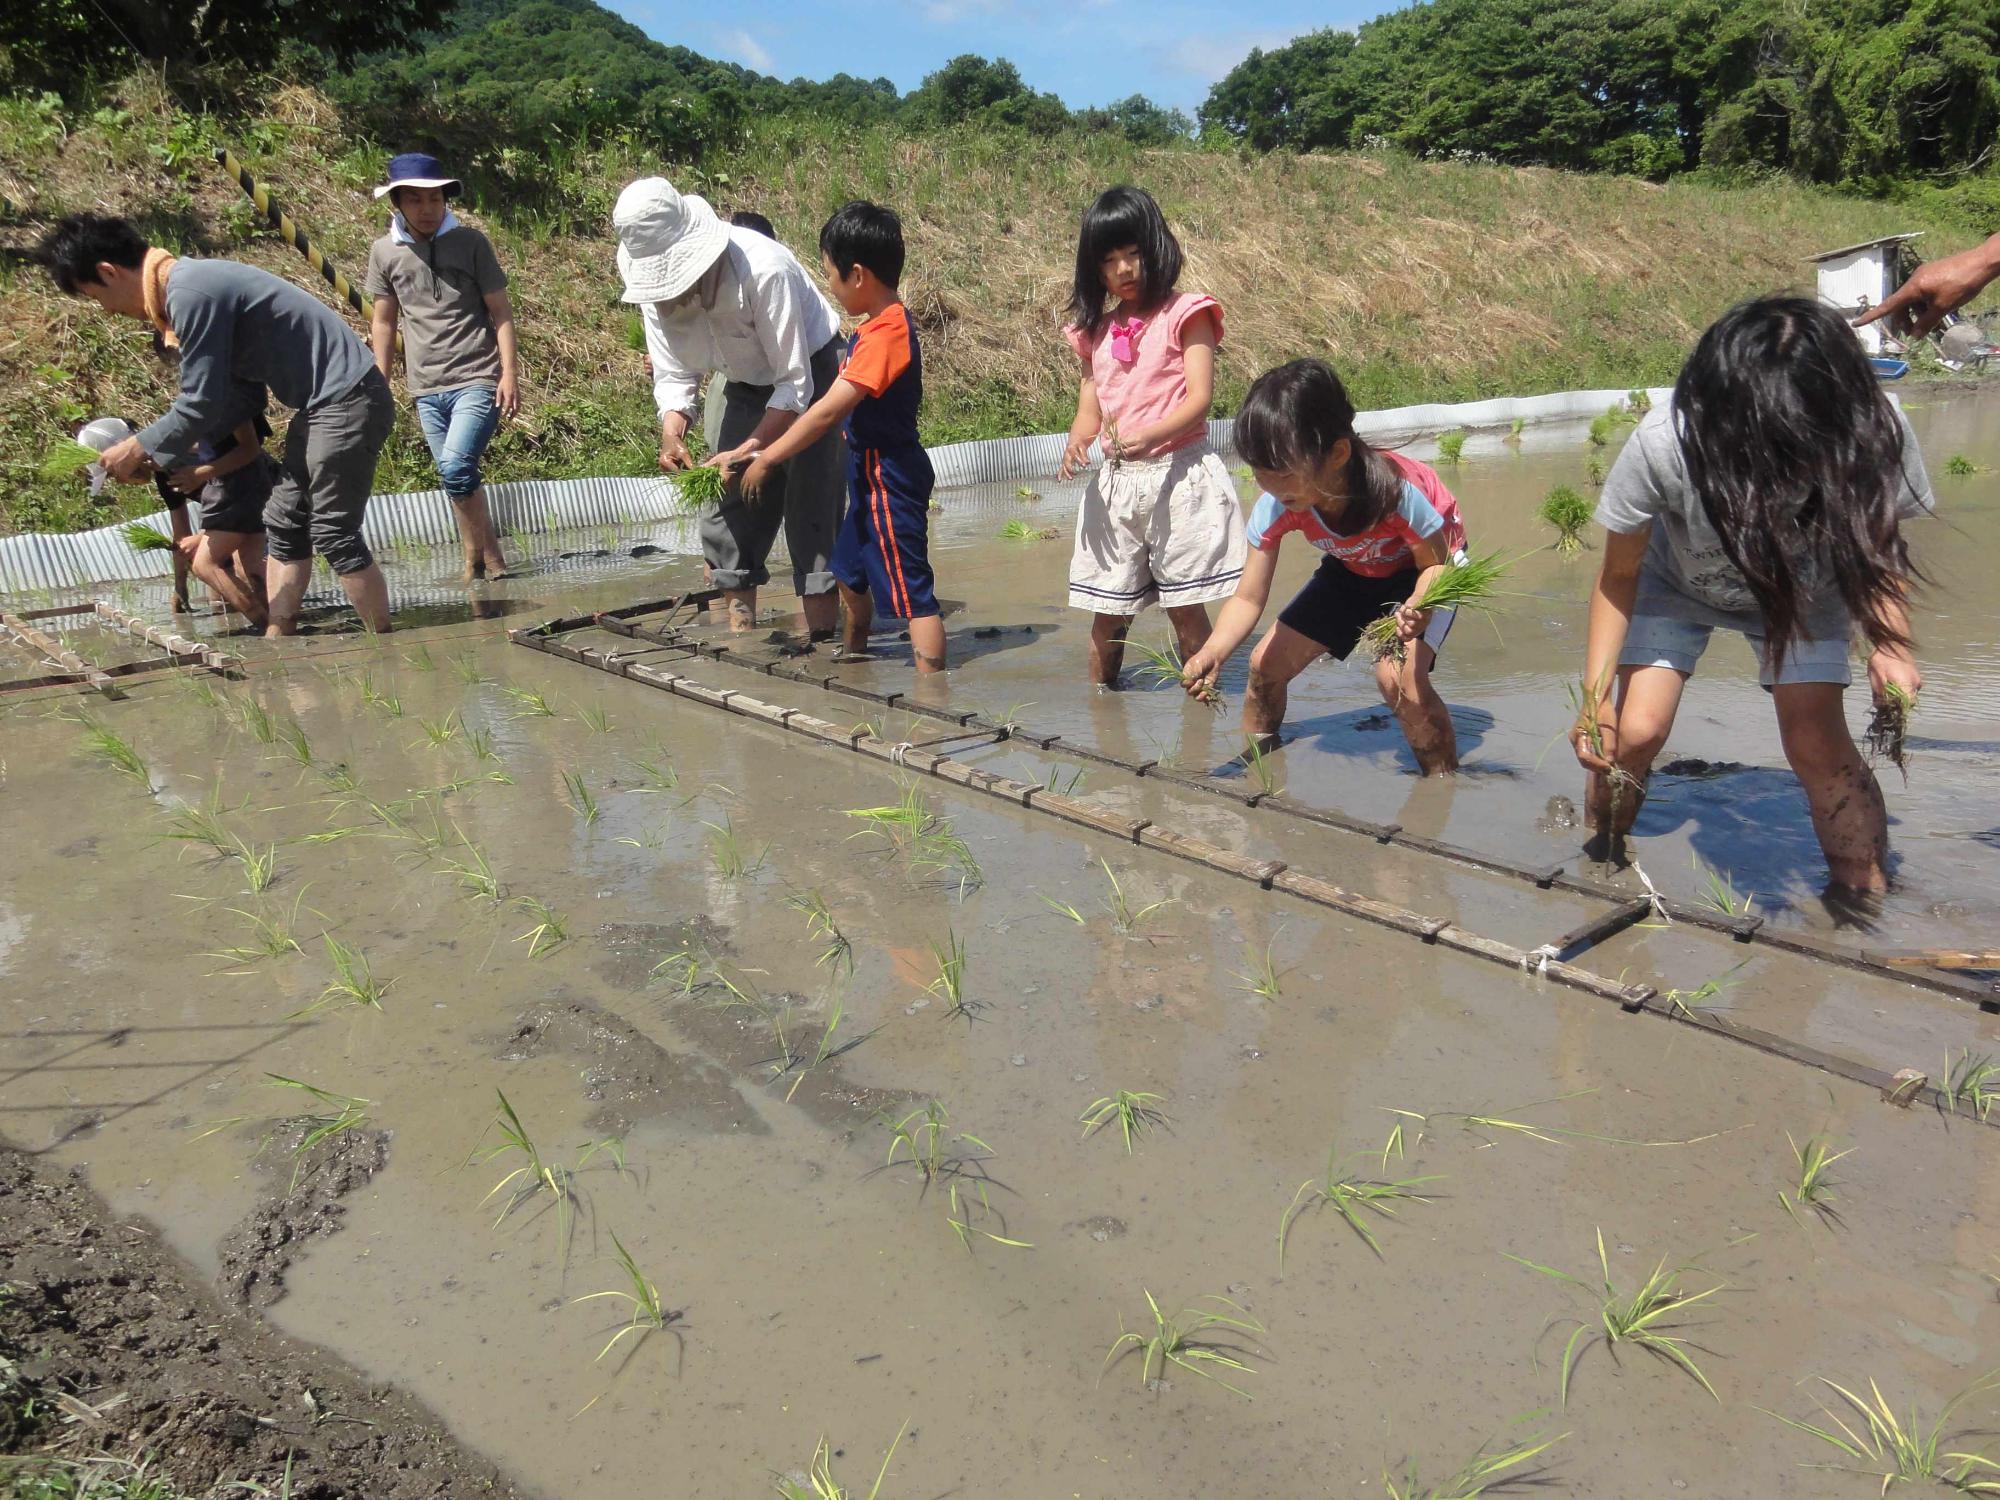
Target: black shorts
(1337, 604)
(236, 501)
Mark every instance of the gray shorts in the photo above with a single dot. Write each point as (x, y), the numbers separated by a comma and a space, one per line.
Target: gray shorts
(806, 495)
(326, 475)
(1662, 641)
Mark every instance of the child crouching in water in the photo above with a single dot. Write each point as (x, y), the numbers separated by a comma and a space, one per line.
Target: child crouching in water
(1767, 498)
(881, 558)
(1160, 521)
(1387, 526)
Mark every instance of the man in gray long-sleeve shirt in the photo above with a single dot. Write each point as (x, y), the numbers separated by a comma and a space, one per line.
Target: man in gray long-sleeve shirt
(234, 322)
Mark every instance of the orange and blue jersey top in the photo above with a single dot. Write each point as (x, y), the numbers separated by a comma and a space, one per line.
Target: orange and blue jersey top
(883, 360)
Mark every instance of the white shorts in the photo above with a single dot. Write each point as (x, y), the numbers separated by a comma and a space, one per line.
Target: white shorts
(1165, 531)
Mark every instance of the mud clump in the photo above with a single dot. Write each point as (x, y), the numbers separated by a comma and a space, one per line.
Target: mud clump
(1694, 768)
(257, 1252)
(97, 1309)
(628, 952)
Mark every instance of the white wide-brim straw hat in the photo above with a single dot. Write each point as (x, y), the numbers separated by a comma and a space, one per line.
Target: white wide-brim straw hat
(666, 240)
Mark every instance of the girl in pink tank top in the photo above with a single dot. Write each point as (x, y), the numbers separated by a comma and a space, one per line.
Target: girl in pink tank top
(1160, 521)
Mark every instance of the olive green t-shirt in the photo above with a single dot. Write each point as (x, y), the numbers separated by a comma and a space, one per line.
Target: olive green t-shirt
(441, 286)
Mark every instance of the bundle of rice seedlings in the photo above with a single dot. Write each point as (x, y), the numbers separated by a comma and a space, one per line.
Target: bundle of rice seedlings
(64, 459)
(143, 536)
(699, 487)
(1569, 513)
(1450, 446)
(1163, 665)
(1464, 585)
(1889, 727)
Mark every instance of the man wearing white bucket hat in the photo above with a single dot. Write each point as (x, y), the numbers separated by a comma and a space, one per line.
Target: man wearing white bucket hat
(713, 297)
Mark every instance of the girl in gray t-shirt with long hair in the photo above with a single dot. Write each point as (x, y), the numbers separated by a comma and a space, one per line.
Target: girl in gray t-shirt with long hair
(1768, 498)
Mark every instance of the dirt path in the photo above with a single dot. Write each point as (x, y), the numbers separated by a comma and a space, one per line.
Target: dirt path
(97, 1317)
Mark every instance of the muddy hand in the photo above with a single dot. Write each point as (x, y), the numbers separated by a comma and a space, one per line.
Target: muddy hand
(1411, 621)
(1588, 758)
(1889, 668)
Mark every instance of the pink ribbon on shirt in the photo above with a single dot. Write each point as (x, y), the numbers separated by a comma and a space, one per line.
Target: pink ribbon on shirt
(1123, 336)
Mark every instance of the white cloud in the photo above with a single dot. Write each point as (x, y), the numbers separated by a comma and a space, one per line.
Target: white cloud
(1210, 55)
(746, 49)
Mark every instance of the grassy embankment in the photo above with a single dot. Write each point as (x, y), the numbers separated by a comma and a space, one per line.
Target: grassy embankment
(1421, 281)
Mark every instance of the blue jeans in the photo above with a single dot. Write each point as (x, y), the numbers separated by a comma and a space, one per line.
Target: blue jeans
(458, 425)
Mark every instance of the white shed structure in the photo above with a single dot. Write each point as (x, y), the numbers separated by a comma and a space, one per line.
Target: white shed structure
(1856, 277)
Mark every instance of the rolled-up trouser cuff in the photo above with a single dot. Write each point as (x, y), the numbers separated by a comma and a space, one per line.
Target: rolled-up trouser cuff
(809, 584)
(732, 579)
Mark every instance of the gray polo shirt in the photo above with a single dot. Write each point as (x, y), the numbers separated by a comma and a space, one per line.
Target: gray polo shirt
(441, 286)
(1687, 574)
(237, 323)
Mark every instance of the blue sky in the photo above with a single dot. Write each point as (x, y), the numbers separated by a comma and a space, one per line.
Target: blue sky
(1088, 51)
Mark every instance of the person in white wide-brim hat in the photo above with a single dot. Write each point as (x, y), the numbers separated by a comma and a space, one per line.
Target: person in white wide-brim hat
(713, 297)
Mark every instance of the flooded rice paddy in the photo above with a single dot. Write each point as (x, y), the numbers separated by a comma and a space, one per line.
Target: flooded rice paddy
(597, 898)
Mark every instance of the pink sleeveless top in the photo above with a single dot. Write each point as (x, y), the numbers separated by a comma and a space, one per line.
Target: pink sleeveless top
(1140, 366)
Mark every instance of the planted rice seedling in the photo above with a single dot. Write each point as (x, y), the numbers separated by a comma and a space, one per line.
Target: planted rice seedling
(1021, 531)
(1451, 447)
(1973, 1081)
(726, 850)
(270, 937)
(353, 982)
(1257, 760)
(1061, 908)
(201, 688)
(115, 750)
(536, 1175)
(657, 774)
(681, 968)
(836, 951)
(1163, 665)
(1066, 786)
(818, 1482)
(1901, 1450)
(1889, 727)
(260, 866)
(1136, 1113)
(1568, 512)
(1197, 1339)
(594, 718)
(1261, 974)
(439, 732)
(551, 929)
(1640, 1318)
(293, 733)
(581, 800)
(348, 1113)
(1125, 920)
(466, 665)
(1719, 893)
(1469, 585)
(143, 536)
(968, 1203)
(202, 824)
(949, 985)
(1348, 1195)
(1474, 1478)
(1813, 1180)
(382, 702)
(532, 705)
(924, 1139)
(1698, 1003)
(650, 1314)
(420, 660)
(1960, 467)
(474, 875)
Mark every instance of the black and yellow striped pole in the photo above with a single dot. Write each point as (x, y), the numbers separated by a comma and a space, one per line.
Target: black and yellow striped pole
(292, 234)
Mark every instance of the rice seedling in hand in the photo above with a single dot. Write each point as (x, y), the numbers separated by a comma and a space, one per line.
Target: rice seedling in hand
(1474, 1478)
(1261, 974)
(347, 1113)
(732, 861)
(353, 982)
(1162, 666)
(1973, 1081)
(1814, 1182)
(1640, 1318)
(581, 800)
(1588, 703)
(650, 1314)
(260, 866)
(594, 718)
(1469, 585)
(699, 487)
(1198, 1339)
(1136, 1113)
(836, 951)
(115, 750)
(1348, 1194)
(551, 929)
(143, 536)
(1125, 919)
(1568, 512)
(1451, 446)
(532, 705)
(1889, 727)
(1900, 1450)
(65, 458)
(818, 1482)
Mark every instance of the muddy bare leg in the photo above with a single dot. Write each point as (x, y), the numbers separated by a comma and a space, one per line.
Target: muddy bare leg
(1648, 700)
(1406, 687)
(1848, 814)
(822, 612)
(860, 612)
(1277, 659)
(1191, 627)
(741, 607)
(927, 643)
(1107, 647)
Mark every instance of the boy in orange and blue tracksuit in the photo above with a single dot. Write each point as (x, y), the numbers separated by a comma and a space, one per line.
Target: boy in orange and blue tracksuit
(881, 558)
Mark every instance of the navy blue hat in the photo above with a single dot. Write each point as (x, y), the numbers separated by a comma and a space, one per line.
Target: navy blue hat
(418, 169)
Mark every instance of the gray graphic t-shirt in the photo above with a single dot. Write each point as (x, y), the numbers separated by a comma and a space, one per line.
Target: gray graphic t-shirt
(1687, 575)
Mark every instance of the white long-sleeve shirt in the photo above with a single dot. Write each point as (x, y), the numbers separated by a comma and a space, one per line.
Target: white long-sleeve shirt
(756, 316)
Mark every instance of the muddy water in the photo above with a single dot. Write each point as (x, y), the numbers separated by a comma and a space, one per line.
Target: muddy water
(816, 1293)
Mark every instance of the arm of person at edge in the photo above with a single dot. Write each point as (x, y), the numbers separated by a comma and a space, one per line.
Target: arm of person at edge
(1083, 431)
(1198, 344)
(674, 390)
(781, 329)
(506, 395)
(1611, 600)
(207, 342)
(827, 413)
(1895, 665)
(249, 448)
(1431, 560)
(1937, 288)
(1233, 622)
(382, 332)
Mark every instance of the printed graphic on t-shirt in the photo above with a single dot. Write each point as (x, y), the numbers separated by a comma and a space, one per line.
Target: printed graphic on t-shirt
(1381, 549)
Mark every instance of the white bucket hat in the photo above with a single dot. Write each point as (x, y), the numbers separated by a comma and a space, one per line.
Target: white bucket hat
(666, 241)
